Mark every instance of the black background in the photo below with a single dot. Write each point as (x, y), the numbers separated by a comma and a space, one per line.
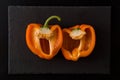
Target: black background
(21, 60)
(114, 39)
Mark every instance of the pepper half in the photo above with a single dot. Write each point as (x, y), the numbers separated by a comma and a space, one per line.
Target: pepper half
(43, 41)
(79, 41)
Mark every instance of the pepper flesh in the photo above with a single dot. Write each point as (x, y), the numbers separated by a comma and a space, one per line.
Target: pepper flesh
(34, 36)
(73, 49)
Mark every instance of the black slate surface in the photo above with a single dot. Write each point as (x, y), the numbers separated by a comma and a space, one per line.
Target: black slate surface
(20, 58)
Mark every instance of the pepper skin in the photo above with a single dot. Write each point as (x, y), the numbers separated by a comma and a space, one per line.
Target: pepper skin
(42, 41)
(79, 41)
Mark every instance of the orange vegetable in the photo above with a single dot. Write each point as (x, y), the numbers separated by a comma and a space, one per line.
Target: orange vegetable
(43, 41)
(79, 41)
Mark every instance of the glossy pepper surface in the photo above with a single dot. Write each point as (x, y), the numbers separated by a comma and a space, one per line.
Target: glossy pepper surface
(79, 41)
(44, 40)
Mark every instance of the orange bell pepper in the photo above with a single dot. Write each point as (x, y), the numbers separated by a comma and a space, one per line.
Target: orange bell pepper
(43, 41)
(79, 41)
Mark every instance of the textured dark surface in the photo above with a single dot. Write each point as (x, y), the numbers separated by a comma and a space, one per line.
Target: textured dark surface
(20, 58)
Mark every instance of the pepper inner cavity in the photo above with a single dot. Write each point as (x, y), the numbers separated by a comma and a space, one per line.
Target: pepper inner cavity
(87, 39)
(45, 45)
(69, 43)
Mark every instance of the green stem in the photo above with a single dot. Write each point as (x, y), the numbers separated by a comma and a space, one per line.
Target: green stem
(51, 17)
(76, 29)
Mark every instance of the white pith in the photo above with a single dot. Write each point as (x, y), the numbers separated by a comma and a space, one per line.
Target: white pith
(77, 35)
(44, 33)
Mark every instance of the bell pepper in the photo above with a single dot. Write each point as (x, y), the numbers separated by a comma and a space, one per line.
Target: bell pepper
(79, 41)
(44, 40)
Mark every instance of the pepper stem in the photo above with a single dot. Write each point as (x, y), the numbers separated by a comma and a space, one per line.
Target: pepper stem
(51, 17)
(76, 29)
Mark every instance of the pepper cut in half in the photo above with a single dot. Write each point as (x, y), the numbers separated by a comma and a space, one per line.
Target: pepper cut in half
(79, 41)
(44, 40)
